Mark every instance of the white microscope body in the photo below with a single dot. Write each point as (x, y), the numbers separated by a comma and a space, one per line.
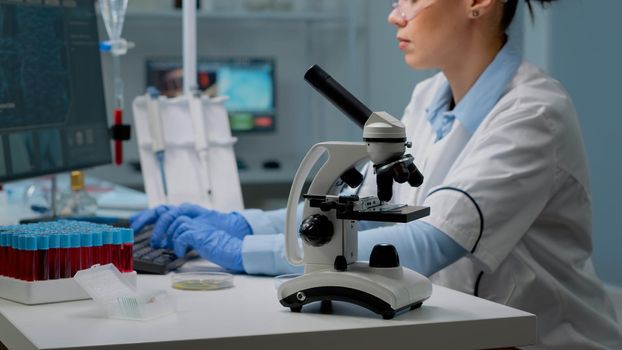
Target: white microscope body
(329, 229)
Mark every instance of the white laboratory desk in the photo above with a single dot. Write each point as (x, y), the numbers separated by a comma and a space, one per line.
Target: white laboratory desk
(249, 316)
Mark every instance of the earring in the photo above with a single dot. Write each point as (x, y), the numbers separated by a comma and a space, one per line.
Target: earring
(475, 13)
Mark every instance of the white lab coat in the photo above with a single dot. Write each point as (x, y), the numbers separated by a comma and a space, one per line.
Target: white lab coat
(516, 194)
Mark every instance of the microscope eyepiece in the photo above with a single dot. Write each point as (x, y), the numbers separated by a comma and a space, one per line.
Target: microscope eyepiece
(338, 95)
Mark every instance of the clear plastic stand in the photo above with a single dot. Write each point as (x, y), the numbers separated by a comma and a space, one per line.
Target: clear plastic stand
(200, 163)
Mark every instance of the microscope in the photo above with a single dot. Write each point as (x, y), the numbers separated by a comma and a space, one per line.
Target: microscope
(329, 231)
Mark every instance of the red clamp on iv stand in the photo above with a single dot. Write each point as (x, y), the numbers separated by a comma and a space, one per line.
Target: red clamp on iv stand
(119, 132)
(118, 144)
(113, 13)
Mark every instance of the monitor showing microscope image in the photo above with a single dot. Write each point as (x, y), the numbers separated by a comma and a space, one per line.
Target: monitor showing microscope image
(248, 83)
(52, 106)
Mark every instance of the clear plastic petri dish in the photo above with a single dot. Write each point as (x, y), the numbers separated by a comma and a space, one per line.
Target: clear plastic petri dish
(201, 280)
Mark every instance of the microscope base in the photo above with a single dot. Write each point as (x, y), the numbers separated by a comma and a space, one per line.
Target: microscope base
(328, 294)
(385, 291)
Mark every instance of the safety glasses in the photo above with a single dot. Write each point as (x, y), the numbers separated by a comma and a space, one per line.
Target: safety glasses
(409, 9)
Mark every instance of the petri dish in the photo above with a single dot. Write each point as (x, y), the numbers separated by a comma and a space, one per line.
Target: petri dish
(201, 280)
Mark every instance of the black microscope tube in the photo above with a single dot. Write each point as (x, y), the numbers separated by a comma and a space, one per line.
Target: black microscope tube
(338, 95)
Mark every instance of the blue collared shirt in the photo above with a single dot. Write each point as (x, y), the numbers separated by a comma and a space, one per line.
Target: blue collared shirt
(479, 100)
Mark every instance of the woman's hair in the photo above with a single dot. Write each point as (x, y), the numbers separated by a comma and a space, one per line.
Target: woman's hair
(510, 10)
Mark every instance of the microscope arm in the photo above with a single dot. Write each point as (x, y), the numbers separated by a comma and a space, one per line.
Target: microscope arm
(341, 157)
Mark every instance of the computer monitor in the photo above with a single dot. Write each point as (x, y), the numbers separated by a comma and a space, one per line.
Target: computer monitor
(248, 83)
(52, 106)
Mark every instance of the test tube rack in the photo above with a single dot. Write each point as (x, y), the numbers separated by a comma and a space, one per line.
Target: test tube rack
(38, 261)
(50, 291)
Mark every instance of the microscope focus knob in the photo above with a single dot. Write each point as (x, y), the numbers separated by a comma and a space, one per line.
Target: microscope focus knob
(384, 255)
(316, 230)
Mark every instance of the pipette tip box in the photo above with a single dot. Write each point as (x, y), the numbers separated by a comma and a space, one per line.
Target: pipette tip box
(121, 300)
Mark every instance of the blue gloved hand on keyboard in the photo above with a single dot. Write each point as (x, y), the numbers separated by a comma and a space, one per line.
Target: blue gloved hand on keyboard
(147, 217)
(167, 227)
(213, 244)
(234, 223)
(168, 218)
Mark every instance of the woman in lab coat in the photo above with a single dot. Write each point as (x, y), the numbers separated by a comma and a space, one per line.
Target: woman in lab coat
(505, 175)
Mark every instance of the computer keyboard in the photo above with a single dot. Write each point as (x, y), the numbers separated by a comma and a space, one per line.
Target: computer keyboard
(157, 261)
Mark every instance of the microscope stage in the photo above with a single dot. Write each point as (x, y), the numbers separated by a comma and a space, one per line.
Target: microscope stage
(401, 214)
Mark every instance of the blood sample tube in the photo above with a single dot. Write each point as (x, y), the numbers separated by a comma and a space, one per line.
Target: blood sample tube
(8, 267)
(97, 247)
(3, 252)
(13, 262)
(17, 255)
(74, 253)
(117, 241)
(127, 264)
(8, 249)
(6, 242)
(5, 261)
(43, 251)
(20, 257)
(107, 246)
(86, 250)
(13, 256)
(54, 256)
(65, 256)
(30, 258)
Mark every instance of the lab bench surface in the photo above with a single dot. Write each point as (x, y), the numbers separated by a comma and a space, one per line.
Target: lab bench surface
(249, 316)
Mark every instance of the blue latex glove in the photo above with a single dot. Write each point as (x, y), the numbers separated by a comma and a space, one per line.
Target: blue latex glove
(234, 223)
(147, 217)
(166, 219)
(164, 235)
(211, 243)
